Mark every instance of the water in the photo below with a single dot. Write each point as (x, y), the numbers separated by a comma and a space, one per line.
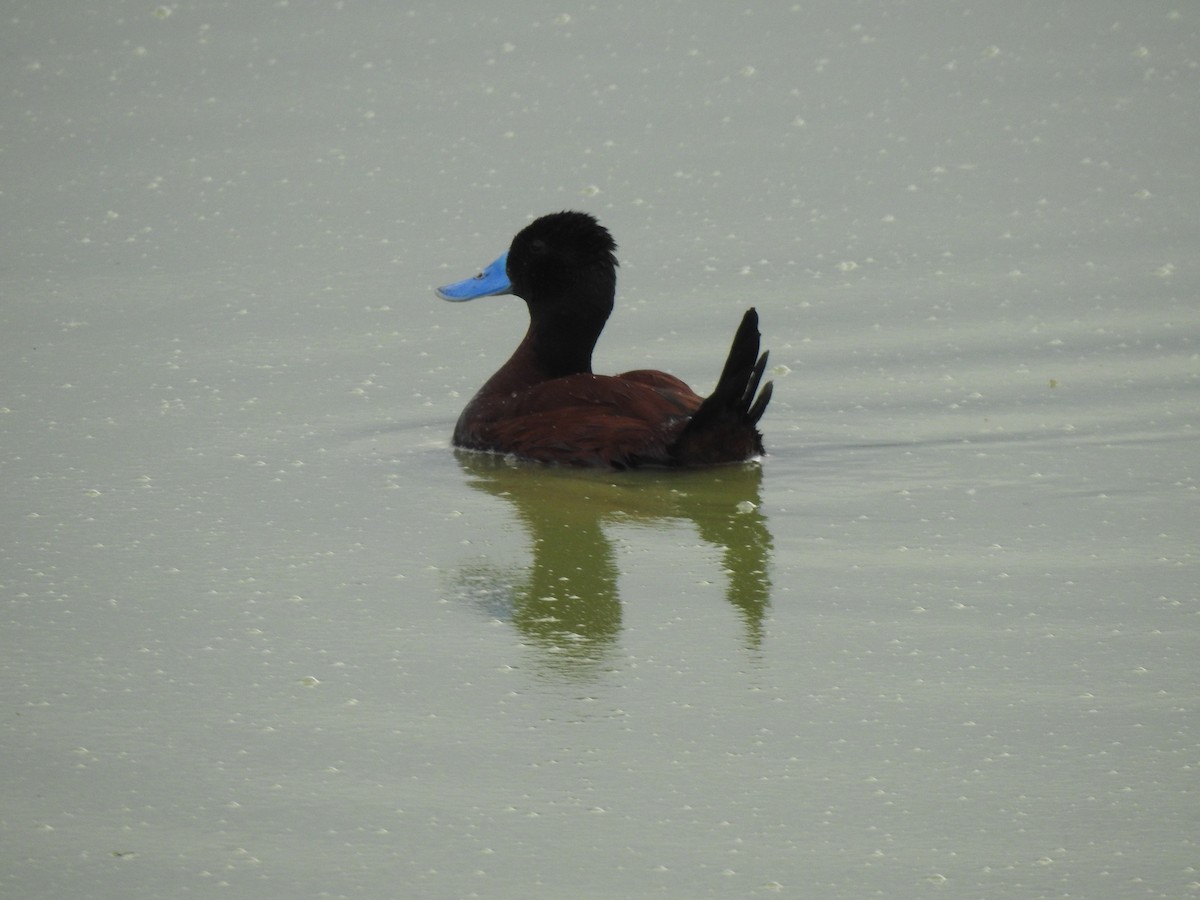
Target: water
(265, 634)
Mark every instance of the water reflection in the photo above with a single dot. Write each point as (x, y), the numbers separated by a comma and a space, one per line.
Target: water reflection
(567, 602)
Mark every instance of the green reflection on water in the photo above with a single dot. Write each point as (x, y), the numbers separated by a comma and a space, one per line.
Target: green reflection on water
(567, 601)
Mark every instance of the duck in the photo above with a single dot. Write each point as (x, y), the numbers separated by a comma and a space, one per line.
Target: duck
(545, 404)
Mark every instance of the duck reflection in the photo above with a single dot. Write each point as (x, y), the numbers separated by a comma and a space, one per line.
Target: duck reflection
(567, 602)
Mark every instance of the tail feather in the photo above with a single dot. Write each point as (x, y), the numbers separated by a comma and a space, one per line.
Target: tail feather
(756, 407)
(723, 429)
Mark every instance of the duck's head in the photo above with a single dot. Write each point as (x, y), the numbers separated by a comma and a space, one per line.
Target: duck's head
(562, 254)
(564, 267)
(551, 260)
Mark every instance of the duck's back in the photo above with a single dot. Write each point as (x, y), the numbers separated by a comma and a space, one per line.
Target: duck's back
(617, 421)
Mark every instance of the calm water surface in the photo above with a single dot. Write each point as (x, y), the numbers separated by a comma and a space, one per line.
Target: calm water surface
(265, 634)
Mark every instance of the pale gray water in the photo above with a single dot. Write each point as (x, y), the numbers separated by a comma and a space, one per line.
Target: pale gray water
(264, 634)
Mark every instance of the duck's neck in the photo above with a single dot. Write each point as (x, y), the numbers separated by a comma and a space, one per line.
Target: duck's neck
(540, 357)
(561, 344)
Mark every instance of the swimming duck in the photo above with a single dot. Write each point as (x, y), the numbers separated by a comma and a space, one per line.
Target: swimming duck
(546, 404)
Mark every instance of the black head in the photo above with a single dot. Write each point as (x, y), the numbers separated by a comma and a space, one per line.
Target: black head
(564, 257)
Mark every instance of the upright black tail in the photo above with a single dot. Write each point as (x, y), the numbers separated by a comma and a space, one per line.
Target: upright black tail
(724, 428)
